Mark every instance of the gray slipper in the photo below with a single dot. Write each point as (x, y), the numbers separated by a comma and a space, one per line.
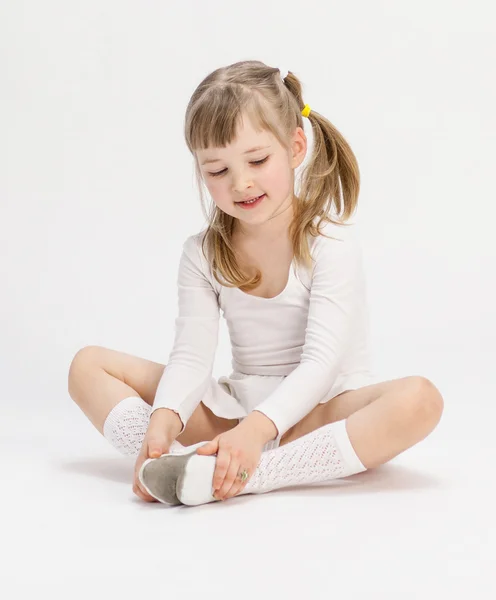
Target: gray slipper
(159, 476)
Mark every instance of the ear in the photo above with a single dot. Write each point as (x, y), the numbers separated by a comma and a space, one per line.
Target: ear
(298, 147)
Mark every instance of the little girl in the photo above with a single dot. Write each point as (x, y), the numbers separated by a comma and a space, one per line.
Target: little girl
(302, 404)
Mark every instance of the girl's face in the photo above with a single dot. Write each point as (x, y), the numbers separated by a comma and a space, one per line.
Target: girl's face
(238, 172)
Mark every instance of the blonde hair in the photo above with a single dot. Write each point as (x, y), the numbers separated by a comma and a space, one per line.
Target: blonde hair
(257, 90)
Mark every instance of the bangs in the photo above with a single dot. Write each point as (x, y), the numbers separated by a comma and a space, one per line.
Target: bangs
(214, 122)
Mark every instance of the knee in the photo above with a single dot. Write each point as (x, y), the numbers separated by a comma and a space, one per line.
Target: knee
(425, 399)
(81, 361)
(85, 356)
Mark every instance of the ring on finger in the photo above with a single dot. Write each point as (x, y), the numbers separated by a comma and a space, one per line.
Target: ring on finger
(228, 479)
(239, 484)
(236, 489)
(242, 475)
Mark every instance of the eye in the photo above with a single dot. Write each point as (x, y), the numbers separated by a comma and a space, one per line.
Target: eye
(255, 162)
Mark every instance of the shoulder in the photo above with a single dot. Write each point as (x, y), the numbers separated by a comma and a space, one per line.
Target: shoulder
(339, 244)
(335, 255)
(192, 248)
(193, 253)
(192, 245)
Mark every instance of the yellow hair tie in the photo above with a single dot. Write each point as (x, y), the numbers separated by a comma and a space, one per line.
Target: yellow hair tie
(306, 111)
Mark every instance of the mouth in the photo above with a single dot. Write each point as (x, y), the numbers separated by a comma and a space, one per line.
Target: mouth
(251, 203)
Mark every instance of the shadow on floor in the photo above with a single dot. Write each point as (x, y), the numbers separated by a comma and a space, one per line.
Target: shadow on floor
(386, 478)
(119, 469)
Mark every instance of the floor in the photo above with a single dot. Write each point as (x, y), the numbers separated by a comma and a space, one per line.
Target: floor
(420, 527)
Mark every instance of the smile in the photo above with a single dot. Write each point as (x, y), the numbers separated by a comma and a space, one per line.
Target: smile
(251, 203)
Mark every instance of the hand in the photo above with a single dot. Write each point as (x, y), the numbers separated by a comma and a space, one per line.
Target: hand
(162, 431)
(237, 449)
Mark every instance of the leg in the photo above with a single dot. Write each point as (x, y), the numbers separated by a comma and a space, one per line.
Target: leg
(383, 419)
(99, 378)
(357, 430)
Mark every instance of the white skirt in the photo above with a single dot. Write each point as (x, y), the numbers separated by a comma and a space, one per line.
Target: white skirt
(235, 396)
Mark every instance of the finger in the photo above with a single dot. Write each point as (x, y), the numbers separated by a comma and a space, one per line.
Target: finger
(230, 477)
(139, 488)
(221, 467)
(209, 448)
(157, 447)
(141, 495)
(148, 497)
(237, 487)
(139, 492)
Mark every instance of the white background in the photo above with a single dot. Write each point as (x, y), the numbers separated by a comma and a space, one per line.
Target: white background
(96, 198)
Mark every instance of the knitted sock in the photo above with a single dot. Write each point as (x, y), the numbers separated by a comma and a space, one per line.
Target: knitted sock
(321, 455)
(126, 425)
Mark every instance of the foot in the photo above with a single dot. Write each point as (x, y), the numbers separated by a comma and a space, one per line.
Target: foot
(194, 482)
(163, 477)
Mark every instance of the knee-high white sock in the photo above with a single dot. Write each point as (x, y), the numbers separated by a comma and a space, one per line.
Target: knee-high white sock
(126, 425)
(321, 455)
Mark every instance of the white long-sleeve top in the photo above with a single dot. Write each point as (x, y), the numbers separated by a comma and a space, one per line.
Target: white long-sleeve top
(313, 332)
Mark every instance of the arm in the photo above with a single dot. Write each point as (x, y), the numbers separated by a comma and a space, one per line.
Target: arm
(335, 296)
(189, 369)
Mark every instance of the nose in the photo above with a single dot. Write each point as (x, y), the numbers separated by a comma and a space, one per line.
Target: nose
(241, 183)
